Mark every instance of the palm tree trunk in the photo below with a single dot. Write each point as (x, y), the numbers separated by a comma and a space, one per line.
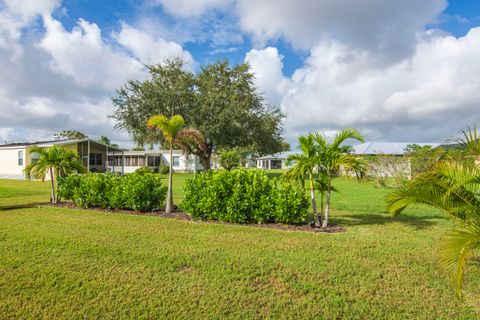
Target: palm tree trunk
(327, 202)
(314, 204)
(54, 200)
(322, 195)
(169, 206)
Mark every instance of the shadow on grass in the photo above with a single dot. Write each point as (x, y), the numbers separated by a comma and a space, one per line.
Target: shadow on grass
(19, 206)
(273, 174)
(419, 222)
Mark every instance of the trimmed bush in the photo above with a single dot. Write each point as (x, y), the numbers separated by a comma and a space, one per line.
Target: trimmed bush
(243, 196)
(143, 192)
(143, 170)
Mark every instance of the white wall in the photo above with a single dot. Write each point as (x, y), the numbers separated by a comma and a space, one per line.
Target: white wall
(190, 164)
(9, 167)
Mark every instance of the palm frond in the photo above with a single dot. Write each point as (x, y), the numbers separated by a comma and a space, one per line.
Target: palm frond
(188, 139)
(456, 250)
(345, 134)
(470, 140)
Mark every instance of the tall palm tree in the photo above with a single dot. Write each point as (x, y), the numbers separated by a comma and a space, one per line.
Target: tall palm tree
(175, 134)
(55, 161)
(304, 164)
(454, 188)
(334, 155)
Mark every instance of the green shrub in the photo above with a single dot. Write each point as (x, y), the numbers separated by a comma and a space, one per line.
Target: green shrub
(243, 196)
(230, 159)
(67, 185)
(164, 169)
(143, 170)
(143, 192)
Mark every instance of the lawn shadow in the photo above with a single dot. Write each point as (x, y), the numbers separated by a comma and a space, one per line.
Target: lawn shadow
(19, 206)
(419, 222)
(273, 174)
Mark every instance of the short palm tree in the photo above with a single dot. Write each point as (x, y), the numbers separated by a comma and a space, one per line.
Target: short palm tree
(454, 188)
(175, 134)
(304, 165)
(333, 155)
(321, 185)
(55, 161)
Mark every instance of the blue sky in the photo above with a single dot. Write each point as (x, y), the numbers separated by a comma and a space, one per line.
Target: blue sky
(396, 70)
(458, 18)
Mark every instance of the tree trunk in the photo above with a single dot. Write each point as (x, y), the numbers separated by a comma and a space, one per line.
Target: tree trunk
(206, 162)
(322, 195)
(169, 205)
(327, 203)
(314, 204)
(54, 200)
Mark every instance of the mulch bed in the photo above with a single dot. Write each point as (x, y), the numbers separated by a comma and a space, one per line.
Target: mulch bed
(179, 215)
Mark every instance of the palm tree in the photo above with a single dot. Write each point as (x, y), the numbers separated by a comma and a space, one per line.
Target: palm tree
(321, 185)
(174, 133)
(454, 188)
(304, 164)
(55, 161)
(334, 155)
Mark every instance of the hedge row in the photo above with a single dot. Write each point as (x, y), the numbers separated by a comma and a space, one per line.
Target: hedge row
(243, 196)
(143, 192)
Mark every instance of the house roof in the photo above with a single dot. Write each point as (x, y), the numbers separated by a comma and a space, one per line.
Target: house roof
(49, 143)
(380, 147)
(25, 144)
(276, 156)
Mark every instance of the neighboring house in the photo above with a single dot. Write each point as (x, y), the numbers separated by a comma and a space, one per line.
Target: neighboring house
(130, 161)
(274, 161)
(387, 158)
(14, 157)
(386, 148)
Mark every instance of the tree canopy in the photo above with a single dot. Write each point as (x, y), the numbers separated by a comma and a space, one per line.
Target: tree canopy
(220, 101)
(70, 135)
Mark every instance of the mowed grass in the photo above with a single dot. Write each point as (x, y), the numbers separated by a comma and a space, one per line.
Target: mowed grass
(67, 263)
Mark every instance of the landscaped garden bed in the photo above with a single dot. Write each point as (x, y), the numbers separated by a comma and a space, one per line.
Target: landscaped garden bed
(180, 215)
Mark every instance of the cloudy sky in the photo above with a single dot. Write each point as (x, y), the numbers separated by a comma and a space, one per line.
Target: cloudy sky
(396, 70)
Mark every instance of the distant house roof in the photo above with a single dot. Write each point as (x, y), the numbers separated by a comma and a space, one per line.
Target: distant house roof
(390, 148)
(24, 144)
(50, 143)
(277, 156)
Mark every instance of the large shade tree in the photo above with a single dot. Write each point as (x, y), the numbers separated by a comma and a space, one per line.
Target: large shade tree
(54, 161)
(175, 134)
(220, 101)
(69, 135)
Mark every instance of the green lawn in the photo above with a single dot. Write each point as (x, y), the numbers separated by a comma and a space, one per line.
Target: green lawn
(65, 263)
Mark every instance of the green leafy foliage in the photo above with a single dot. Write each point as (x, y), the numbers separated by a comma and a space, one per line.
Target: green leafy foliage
(221, 101)
(143, 192)
(144, 170)
(243, 196)
(230, 159)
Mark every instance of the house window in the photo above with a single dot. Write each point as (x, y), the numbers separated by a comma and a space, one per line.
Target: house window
(20, 158)
(176, 161)
(154, 161)
(96, 159)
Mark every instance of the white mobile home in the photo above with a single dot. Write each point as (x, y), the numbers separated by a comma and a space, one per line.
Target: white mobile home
(14, 157)
(129, 161)
(274, 161)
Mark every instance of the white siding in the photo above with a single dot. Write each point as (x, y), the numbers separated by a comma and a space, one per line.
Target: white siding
(9, 167)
